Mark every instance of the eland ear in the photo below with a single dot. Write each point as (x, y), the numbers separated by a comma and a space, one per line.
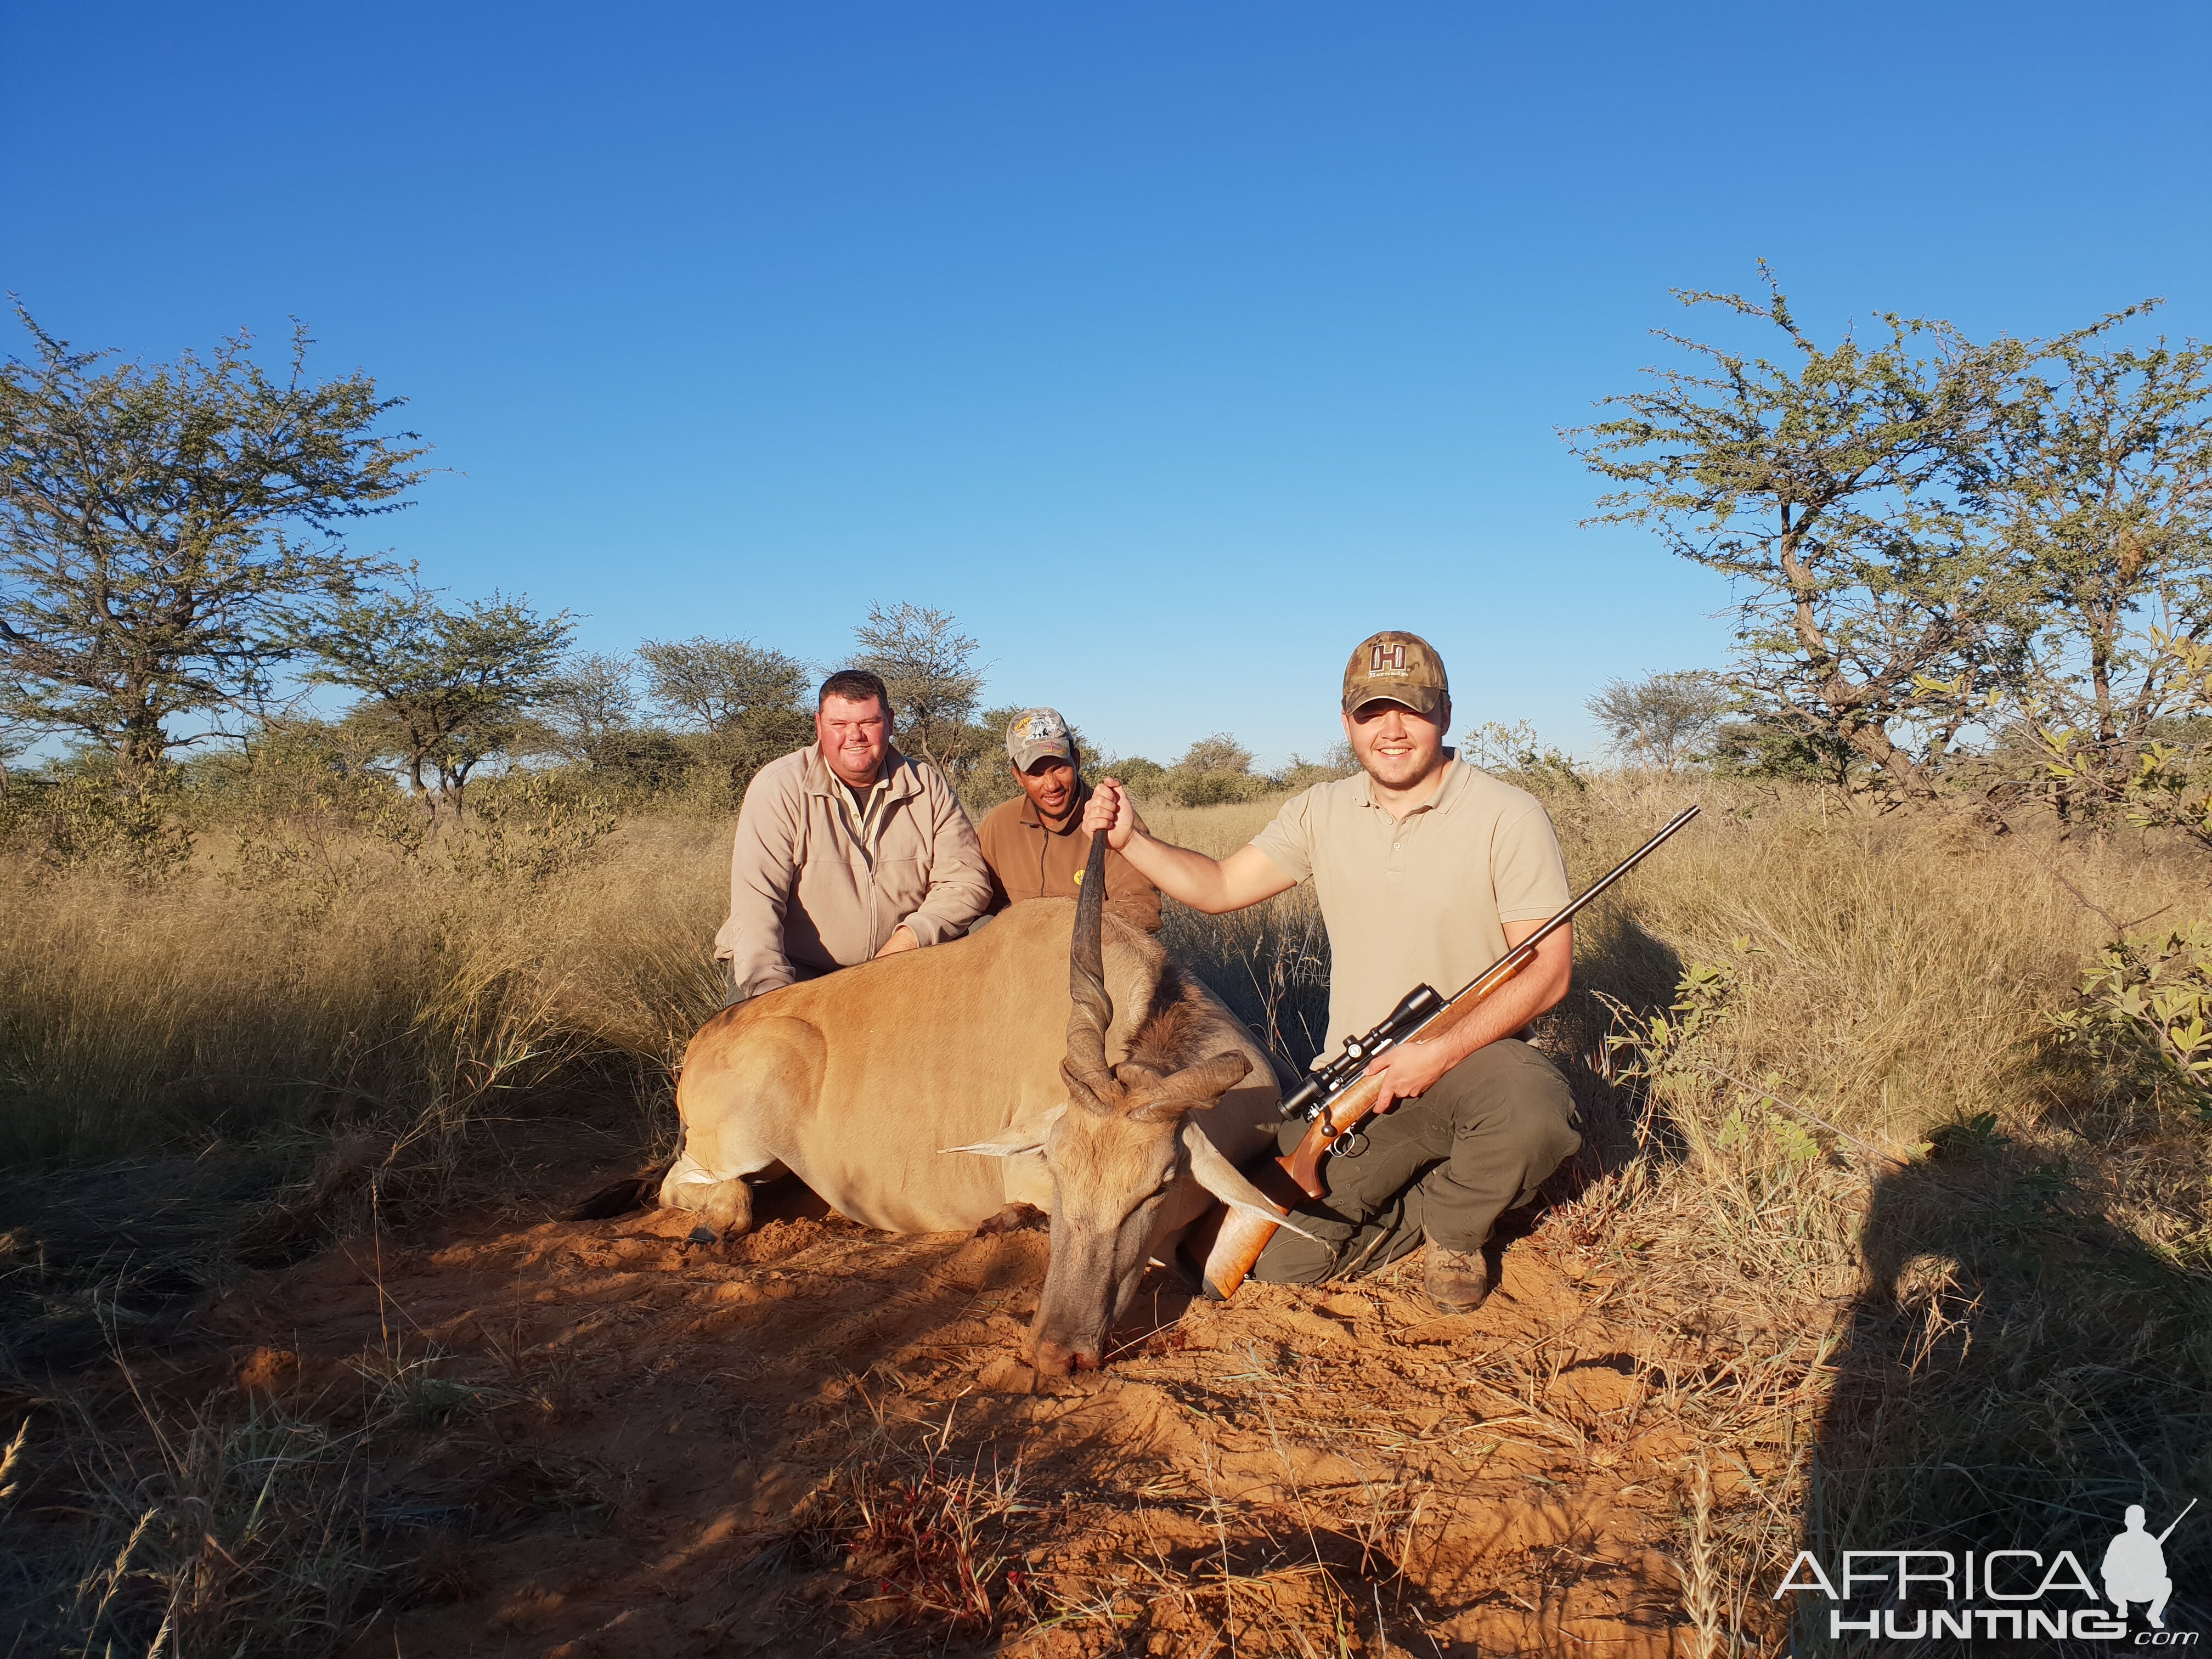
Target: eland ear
(1222, 1178)
(1211, 1078)
(1019, 1138)
(1195, 1086)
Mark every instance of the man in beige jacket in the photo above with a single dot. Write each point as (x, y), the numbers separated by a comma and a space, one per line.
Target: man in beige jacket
(846, 851)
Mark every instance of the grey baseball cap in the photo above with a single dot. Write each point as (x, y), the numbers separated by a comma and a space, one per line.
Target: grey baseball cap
(1036, 732)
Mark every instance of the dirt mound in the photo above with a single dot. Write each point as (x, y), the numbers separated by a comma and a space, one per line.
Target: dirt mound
(817, 1435)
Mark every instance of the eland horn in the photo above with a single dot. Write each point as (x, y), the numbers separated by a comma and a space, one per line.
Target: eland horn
(1092, 1011)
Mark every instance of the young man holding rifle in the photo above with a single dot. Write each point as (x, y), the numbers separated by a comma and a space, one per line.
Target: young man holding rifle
(1428, 871)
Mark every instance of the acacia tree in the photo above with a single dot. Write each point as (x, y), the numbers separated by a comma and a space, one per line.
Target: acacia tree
(2102, 494)
(929, 668)
(592, 708)
(1661, 720)
(1834, 489)
(161, 528)
(717, 684)
(1214, 769)
(442, 691)
(744, 697)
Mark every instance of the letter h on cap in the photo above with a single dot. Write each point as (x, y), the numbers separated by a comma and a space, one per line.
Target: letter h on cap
(1392, 657)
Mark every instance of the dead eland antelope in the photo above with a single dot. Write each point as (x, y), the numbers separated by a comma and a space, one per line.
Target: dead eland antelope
(1124, 1129)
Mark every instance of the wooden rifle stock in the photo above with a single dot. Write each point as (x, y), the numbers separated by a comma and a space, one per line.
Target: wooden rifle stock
(1349, 1108)
(1243, 1235)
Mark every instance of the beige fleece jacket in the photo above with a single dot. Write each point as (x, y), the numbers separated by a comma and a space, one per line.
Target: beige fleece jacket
(814, 888)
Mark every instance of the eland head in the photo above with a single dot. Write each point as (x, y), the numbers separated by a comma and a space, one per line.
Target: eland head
(1123, 1141)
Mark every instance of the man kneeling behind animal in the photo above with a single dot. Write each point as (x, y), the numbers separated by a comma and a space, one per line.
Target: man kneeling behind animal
(1428, 870)
(846, 851)
(1033, 843)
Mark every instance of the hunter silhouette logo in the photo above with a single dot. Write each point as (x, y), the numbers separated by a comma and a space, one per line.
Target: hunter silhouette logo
(2011, 1594)
(2135, 1566)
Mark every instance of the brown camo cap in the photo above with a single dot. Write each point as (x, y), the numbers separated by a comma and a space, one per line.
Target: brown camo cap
(1395, 666)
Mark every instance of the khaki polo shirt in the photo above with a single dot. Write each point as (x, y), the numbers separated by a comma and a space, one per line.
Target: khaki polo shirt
(1420, 900)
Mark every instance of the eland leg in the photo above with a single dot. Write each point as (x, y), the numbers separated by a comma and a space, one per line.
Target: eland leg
(724, 1202)
(741, 1089)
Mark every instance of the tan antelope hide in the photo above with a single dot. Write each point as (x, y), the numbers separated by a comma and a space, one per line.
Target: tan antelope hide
(925, 1092)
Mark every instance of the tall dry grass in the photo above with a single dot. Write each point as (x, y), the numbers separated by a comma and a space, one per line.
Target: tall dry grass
(1955, 1281)
(411, 990)
(1952, 1285)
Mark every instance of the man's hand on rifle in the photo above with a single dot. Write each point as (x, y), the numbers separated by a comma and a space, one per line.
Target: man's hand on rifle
(1411, 1069)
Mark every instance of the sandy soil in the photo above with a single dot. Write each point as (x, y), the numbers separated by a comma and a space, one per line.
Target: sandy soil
(817, 1439)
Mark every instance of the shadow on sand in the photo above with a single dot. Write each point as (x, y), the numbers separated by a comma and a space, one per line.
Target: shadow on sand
(2017, 1372)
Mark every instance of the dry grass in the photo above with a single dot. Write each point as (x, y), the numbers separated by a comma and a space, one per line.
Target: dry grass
(2003, 1338)
(1953, 1287)
(413, 990)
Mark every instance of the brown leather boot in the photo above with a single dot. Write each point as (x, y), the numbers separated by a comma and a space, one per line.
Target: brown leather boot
(1458, 1281)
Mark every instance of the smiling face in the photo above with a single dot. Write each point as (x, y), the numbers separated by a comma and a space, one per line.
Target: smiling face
(853, 736)
(1396, 747)
(1051, 785)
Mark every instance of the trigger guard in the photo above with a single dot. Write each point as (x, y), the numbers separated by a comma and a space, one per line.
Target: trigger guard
(1350, 1144)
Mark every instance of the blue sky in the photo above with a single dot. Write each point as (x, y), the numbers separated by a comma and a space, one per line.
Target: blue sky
(1172, 347)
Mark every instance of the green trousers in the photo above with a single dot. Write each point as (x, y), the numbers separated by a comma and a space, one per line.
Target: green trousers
(1445, 1166)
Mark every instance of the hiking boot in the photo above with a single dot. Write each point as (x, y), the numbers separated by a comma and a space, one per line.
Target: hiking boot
(1458, 1281)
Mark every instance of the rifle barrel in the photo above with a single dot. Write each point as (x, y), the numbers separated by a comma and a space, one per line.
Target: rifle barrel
(1529, 944)
(2177, 1521)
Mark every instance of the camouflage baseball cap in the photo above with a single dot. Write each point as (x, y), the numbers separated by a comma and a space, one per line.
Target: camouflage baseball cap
(1036, 732)
(1395, 666)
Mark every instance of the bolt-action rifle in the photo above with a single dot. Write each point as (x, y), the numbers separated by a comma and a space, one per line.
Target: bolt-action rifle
(1338, 1096)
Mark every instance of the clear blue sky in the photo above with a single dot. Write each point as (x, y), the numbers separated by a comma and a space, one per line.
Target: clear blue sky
(1173, 348)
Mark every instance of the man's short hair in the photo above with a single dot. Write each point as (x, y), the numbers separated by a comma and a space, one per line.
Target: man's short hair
(853, 686)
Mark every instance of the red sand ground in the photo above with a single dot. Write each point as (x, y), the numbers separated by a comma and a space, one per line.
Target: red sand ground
(641, 1416)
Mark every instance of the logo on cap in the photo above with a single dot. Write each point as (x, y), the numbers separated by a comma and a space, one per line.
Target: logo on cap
(1038, 732)
(1395, 666)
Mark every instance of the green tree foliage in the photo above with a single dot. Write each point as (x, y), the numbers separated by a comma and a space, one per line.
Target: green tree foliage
(442, 691)
(1515, 751)
(1140, 775)
(2145, 1004)
(1662, 721)
(929, 667)
(1766, 745)
(1834, 489)
(1213, 769)
(744, 701)
(1303, 774)
(2100, 486)
(15, 738)
(592, 710)
(2171, 785)
(715, 685)
(591, 715)
(162, 528)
